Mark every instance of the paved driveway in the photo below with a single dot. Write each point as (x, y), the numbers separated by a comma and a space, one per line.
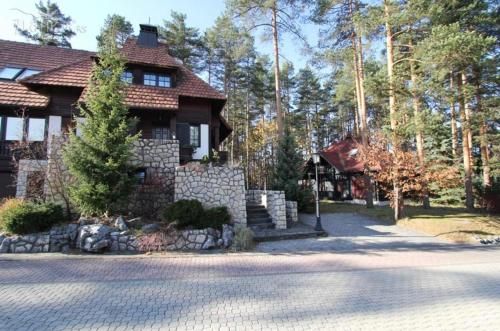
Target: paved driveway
(354, 232)
(384, 279)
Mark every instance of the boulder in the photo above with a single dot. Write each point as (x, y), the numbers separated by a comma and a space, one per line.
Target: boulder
(93, 238)
(150, 228)
(4, 246)
(209, 243)
(120, 224)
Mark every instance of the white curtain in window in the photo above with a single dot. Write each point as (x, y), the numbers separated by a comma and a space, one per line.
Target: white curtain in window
(14, 130)
(36, 129)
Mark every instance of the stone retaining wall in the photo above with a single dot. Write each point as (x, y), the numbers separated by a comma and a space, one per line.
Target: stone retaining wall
(292, 216)
(26, 167)
(58, 239)
(159, 158)
(213, 187)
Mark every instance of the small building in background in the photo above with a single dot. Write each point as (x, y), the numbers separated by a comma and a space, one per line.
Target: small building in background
(341, 173)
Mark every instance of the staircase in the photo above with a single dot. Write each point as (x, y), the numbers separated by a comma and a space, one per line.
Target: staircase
(258, 218)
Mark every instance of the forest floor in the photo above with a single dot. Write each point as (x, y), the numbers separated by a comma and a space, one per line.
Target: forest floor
(449, 223)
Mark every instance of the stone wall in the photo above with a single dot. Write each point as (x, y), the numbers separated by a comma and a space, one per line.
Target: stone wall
(58, 239)
(159, 158)
(213, 187)
(292, 215)
(274, 201)
(26, 167)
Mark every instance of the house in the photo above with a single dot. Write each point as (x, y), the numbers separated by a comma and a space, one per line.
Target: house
(41, 86)
(341, 172)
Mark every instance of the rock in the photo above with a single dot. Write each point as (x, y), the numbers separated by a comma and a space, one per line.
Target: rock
(124, 233)
(100, 245)
(227, 235)
(220, 242)
(120, 224)
(4, 246)
(150, 228)
(93, 238)
(2, 237)
(84, 221)
(209, 243)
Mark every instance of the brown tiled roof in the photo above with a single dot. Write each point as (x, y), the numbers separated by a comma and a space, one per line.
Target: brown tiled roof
(38, 56)
(139, 96)
(75, 74)
(344, 156)
(69, 67)
(191, 85)
(15, 94)
(156, 56)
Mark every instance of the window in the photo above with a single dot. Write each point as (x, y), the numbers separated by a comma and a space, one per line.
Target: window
(164, 81)
(28, 72)
(10, 72)
(161, 133)
(36, 129)
(150, 79)
(14, 129)
(140, 175)
(127, 77)
(194, 135)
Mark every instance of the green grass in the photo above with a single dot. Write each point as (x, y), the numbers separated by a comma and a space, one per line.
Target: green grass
(450, 223)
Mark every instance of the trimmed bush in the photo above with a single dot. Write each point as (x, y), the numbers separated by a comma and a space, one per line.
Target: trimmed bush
(187, 213)
(24, 217)
(215, 217)
(190, 214)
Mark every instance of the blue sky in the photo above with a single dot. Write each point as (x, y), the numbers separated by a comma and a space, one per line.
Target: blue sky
(89, 15)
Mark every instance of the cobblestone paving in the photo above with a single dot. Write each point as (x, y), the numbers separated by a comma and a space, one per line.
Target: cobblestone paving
(365, 276)
(446, 290)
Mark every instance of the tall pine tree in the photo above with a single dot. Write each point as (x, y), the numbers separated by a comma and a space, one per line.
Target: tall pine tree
(53, 28)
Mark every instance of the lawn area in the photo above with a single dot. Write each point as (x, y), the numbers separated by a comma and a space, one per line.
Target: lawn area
(453, 224)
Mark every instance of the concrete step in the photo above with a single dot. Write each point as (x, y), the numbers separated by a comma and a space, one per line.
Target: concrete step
(256, 227)
(297, 231)
(263, 219)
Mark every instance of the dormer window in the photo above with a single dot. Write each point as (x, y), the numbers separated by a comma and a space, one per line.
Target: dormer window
(127, 77)
(151, 79)
(164, 81)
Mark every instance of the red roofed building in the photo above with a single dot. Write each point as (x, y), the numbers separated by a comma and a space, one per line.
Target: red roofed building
(341, 171)
(41, 86)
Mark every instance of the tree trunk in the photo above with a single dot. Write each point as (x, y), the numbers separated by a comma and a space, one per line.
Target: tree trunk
(279, 115)
(398, 195)
(483, 131)
(469, 197)
(360, 92)
(453, 116)
(468, 113)
(247, 142)
(419, 135)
